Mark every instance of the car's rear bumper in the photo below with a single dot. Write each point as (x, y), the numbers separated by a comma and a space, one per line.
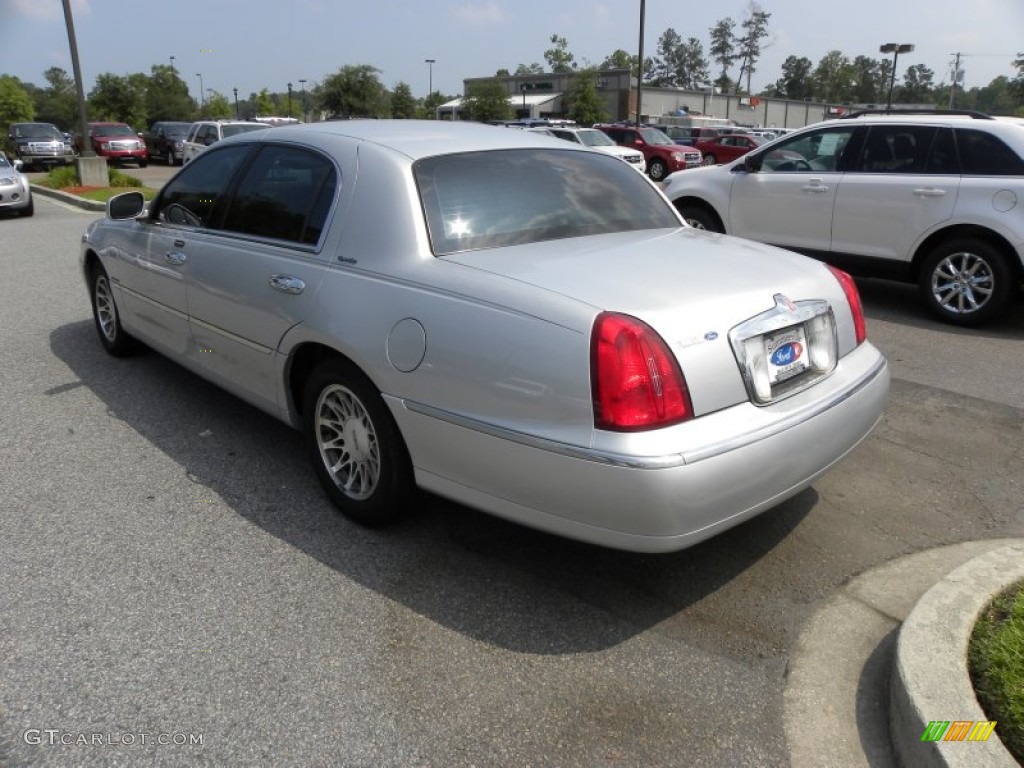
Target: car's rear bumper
(651, 503)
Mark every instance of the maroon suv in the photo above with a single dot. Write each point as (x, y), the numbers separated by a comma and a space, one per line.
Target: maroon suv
(117, 142)
(663, 155)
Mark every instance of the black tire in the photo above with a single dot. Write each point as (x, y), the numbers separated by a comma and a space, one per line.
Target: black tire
(29, 209)
(348, 428)
(657, 169)
(143, 163)
(966, 281)
(709, 160)
(104, 312)
(699, 218)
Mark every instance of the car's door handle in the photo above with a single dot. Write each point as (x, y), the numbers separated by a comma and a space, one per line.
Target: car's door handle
(815, 186)
(177, 258)
(287, 284)
(929, 192)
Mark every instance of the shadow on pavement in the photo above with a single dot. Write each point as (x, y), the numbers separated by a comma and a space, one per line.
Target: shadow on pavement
(491, 580)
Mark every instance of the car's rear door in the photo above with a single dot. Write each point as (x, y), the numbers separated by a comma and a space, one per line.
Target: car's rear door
(257, 276)
(902, 183)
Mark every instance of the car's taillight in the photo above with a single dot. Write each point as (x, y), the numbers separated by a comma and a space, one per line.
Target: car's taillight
(853, 298)
(635, 380)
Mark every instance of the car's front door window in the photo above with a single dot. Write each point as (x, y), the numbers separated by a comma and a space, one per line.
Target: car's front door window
(817, 151)
(194, 197)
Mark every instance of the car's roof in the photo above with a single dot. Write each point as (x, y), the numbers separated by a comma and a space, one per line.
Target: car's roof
(417, 138)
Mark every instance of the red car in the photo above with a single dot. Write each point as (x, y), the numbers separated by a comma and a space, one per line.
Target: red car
(663, 155)
(725, 149)
(117, 142)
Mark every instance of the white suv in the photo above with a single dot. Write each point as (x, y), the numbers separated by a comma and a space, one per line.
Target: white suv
(595, 139)
(934, 198)
(206, 132)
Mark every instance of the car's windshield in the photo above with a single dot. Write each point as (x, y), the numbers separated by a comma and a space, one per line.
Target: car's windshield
(176, 130)
(542, 195)
(112, 130)
(595, 138)
(38, 131)
(656, 137)
(3, 161)
(234, 130)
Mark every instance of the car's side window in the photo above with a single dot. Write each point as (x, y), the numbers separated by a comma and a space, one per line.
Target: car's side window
(896, 149)
(818, 151)
(942, 159)
(195, 196)
(982, 154)
(285, 194)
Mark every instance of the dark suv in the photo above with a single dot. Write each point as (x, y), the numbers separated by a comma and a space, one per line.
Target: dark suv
(165, 141)
(39, 144)
(663, 155)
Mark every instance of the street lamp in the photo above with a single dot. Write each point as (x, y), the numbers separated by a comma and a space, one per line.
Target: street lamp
(302, 83)
(172, 65)
(236, 103)
(640, 58)
(202, 103)
(895, 49)
(289, 100)
(430, 66)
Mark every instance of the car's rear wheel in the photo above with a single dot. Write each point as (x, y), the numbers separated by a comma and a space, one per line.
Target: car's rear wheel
(104, 312)
(356, 448)
(698, 218)
(657, 170)
(966, 281)
(709, 160)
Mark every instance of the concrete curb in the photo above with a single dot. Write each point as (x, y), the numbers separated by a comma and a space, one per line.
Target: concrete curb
(64, 197)
(929, 678)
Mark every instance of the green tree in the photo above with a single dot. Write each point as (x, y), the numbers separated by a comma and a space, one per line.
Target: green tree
(834, 78)
(57, 103)
(262, 103)
(755, 28)
(620, 59)
(403, 105)
(795, 82)
(723, 50)
(530, 69)
(918, 85)
(585, 104)
(428, 109)
(867, 73)
(1017, 85)
(997, 98)
(354, 90)
(667, 60)
(558, 57)
(119, 99)
(503, 72)
(167, 96)
(15, 102)
(218, 107)
(487, 100)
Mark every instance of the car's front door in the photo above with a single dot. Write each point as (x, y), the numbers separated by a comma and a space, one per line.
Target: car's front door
(257, 276)
(789, 200)
(903, 183)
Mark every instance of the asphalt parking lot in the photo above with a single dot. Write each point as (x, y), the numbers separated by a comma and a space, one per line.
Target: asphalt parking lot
(171, 568)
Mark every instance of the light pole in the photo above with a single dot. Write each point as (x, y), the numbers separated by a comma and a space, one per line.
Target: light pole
(236, 103)
(289, 100)
(430, 81)
(172, 66)
(640, 58)
(895, 49)
(202, 103)
(302, 83)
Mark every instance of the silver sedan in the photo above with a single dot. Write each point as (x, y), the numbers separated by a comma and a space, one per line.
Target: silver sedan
(516, 323)
(15, 190)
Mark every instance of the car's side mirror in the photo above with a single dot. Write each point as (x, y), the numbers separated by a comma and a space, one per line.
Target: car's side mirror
(751, 163)
(128, 205)
(18, 164)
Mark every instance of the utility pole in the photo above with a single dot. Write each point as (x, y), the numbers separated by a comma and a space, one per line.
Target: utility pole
(956, 75)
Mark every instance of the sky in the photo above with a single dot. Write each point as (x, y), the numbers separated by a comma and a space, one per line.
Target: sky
(254, 44)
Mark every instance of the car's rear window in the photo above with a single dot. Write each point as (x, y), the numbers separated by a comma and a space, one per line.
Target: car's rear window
(234, 130)
(477, 200)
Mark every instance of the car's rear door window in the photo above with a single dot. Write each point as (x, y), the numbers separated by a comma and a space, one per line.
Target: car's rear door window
(285, 194)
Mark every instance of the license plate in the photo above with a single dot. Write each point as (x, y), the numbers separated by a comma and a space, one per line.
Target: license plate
(787, 353)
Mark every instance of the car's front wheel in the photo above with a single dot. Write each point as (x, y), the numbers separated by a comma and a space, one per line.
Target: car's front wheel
(104, 312)
(699, 218)
(356, 448)
(709, 160)
(29, 209)
(966, 281)
(657, 170)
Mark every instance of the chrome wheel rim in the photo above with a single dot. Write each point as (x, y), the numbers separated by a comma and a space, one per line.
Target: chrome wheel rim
(348, 443)
(708, 161)
(106, 312)
(695, 223)
(962, 283)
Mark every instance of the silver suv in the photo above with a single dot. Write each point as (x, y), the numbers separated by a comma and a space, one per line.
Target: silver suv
(206, 132)
(934, 198)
